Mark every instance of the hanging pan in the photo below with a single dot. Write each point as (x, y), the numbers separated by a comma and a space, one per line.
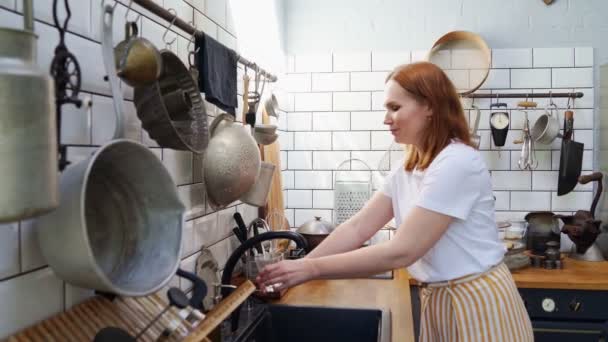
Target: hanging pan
(465, 57)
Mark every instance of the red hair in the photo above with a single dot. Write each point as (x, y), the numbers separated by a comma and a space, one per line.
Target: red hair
(431, 87)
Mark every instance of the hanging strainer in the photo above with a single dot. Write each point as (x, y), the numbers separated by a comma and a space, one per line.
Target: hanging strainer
(350, 195)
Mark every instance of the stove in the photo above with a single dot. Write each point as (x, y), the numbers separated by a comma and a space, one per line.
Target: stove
(567, 315)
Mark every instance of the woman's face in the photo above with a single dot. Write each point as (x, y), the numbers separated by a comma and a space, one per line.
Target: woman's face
(405, 117)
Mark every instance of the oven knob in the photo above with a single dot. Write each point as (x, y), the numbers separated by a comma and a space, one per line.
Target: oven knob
(548, 305)
(575, 305)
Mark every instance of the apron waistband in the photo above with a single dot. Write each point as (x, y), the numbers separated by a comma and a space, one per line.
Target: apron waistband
(463, 279)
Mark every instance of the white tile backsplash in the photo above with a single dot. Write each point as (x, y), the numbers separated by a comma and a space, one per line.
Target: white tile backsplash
(339, 81)
(29, 298)
(329, 160)
(512, 180)
(348, 101)
(530, 78)
(553, 57)
(573, 201)
(313, 180)
(368, 121)
(321, 62)
(323, 199)
(381, 140)
(530, 200)
(351, 141)
(9, 249)
(503, 200)
(378, 100)
(312, 141)
(583, 57)
(367, 80)
(496, 160)
(310, 102)
(497, 78)
(352, 61)
(31, 255)
(572, 77)
(295, 82)
(331, 121)
(299, 160)
(299, 121)
(299, 198)
(388, 60)
(304, 215)
(511, 58)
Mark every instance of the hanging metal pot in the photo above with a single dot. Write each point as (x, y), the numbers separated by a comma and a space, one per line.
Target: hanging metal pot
(28, 137)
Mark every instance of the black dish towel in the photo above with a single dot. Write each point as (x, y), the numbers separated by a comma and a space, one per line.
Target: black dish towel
(217, 72)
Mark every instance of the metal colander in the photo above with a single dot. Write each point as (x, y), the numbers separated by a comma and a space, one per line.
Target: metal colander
(350, 195)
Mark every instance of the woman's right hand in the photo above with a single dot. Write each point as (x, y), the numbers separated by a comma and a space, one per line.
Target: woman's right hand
(287, 273)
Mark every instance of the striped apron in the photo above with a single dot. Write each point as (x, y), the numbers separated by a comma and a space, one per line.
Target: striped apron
(479, 307)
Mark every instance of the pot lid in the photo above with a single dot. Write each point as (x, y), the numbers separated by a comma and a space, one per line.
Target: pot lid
(316, 227)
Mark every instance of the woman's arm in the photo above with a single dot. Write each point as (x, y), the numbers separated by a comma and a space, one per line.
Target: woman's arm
(421, 229)
(358, 229)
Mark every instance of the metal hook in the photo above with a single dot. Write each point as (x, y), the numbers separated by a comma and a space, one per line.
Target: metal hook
(174, 12)
(129, 10)
(103, 4)
(192, 37)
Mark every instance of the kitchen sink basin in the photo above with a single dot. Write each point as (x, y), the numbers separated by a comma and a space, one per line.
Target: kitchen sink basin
(320, 324)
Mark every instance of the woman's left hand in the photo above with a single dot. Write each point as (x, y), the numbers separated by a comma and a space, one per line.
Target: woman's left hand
(287, 273)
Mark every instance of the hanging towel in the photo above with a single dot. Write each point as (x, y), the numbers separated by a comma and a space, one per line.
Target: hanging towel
(217, 72)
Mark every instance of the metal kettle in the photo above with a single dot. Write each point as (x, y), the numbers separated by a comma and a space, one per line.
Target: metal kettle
(28, 136)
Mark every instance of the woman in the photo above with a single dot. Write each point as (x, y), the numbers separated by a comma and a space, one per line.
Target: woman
(443, 205)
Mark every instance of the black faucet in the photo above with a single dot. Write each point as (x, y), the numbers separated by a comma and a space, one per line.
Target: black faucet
(250, 243)
(243, 248)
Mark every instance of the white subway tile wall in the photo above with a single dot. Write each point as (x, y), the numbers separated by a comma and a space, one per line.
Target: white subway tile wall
(351, 97)
(29, 290)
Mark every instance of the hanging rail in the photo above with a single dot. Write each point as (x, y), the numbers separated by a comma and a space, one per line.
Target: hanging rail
(168, 16)
(524, 95)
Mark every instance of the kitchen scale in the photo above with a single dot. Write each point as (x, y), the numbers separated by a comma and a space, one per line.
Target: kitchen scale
(499, 123)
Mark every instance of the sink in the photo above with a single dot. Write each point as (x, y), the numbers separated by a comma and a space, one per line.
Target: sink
(321, 324)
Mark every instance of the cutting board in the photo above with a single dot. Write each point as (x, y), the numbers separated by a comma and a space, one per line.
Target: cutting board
(272, 154)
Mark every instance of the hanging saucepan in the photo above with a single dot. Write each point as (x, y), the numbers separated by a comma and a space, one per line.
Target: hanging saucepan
(546, 127)
(315, 231)
(171, 109)
(28, 147)
(118, 228)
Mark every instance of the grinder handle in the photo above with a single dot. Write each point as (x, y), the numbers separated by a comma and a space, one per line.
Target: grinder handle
(596, 176)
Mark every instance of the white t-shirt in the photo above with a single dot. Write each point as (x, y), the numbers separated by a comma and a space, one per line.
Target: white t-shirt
(457, 183)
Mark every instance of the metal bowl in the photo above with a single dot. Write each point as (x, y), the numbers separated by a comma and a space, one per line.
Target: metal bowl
(231, 165)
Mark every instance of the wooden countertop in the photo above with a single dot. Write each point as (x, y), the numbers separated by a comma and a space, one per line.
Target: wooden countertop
(364, 293)
(579, 275)
(576, 274)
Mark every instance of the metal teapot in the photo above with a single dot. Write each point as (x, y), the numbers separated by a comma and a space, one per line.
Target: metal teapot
(28, 136)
